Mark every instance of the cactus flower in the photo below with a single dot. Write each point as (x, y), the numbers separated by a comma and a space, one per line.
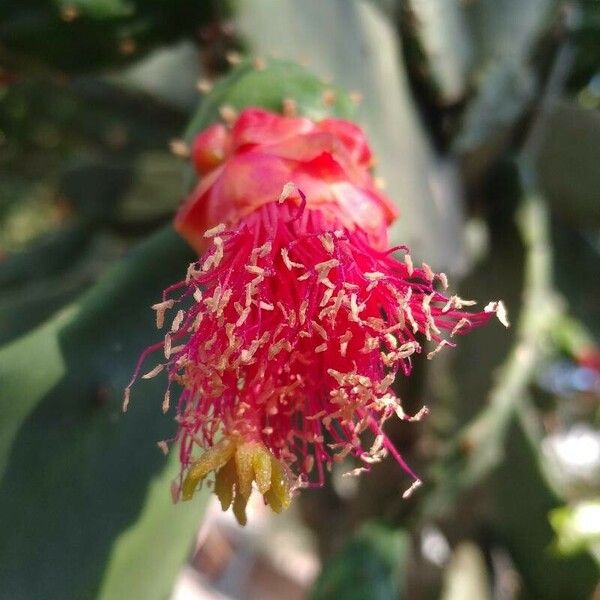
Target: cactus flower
(286, 336)
(247, 167)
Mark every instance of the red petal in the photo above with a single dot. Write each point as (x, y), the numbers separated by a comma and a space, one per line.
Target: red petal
(257, 126)
(351, 136)
(209, 148)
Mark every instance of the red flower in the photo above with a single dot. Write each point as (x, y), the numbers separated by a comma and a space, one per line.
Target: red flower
(246, 167)
(297, 319)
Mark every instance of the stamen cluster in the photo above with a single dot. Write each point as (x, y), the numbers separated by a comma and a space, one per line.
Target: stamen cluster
(287, 335)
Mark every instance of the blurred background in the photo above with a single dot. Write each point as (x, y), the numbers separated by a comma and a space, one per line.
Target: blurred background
(484, 117)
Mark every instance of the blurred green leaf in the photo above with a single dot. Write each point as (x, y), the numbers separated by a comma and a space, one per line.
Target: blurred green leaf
(34, 287)
(50, 125)
(585, 34)
(567, 162)
(445, 40)
(371, 565)
(85, 171)
(478, 445)
(505, 89)
(504, 29)
(522, 499)
(97, 9)
(170, 74)
(155, 189)
(76, 497)
(86, 35)
(504, 32)
(28, 212)
(577, 259)
(145, 559)
(46, 257)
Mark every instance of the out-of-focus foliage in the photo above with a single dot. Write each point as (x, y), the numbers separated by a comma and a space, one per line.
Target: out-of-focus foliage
(484, 119)
(84, 175)
(84, 35)
(585, 32)
(567, 168)
(371, 565)
(81, 483)
(577, 527)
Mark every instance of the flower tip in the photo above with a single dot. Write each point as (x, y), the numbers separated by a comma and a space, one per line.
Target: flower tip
(502, 314)
(420, 415)
(289, 190)
(417, 483)
(214, 231)
(210, 147)
(500, 310)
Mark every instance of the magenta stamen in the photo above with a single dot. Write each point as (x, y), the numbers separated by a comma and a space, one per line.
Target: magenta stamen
(299, 331)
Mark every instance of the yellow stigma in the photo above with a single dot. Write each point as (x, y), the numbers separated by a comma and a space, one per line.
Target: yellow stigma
(237, 464)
